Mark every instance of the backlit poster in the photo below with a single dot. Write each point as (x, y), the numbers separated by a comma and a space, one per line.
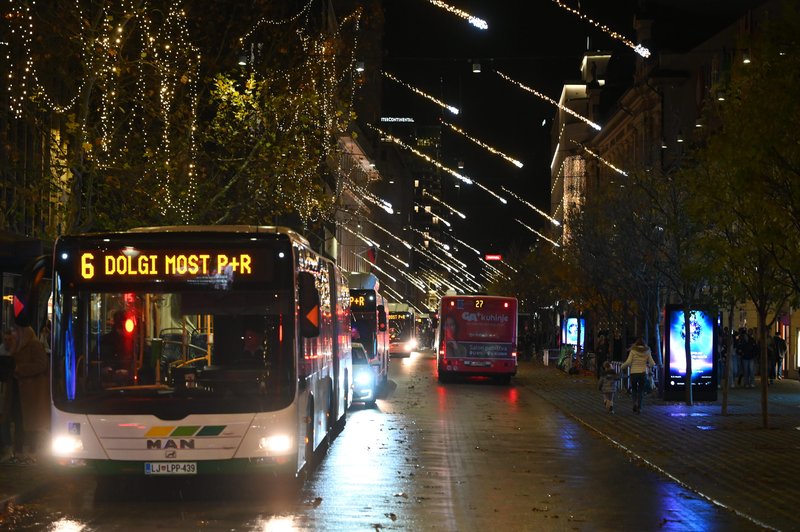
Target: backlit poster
(702, 332)
(570, 332)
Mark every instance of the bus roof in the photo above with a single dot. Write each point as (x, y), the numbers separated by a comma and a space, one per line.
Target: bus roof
(243, 229)
(364, 281)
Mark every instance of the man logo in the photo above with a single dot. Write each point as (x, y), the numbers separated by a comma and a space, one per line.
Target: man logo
(171, 454)
(170, 444)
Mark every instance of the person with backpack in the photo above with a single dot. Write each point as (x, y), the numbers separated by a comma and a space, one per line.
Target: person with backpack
(607, 385)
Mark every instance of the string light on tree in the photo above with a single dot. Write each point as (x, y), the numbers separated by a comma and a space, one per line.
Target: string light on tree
(531, 229)
(475, 21)
(532, 206)
(435, 100)
(483, 145)
(638, 48)
(548, 99)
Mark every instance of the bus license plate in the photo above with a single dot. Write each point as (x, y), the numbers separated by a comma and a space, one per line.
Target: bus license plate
(478, 363)
(170, 468)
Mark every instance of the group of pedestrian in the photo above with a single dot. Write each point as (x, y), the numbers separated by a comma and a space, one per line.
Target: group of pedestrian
(24, 395)
(640, 361)
(745, 355)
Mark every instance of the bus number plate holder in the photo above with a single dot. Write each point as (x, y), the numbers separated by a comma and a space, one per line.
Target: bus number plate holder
(170, 468)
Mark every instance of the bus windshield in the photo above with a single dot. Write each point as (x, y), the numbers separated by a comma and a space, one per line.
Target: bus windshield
(172, 345)
(401, 326)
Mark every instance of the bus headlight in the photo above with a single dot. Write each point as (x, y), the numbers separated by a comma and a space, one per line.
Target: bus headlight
(66, 445)
(411, 345)
(364, 378)
(276, 444)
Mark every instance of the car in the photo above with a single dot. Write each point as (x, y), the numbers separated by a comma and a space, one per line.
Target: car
(365, 379)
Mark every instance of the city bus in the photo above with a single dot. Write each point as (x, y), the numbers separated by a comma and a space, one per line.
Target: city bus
(197, 350)
(369, 327)
(477, 336)
(402, 329)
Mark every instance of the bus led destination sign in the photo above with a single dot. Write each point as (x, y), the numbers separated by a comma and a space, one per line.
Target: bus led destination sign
(129, 263)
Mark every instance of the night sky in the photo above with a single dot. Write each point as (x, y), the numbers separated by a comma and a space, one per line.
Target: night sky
(538, 44)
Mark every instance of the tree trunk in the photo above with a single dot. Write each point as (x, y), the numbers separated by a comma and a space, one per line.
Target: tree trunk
(762, 341)
(687, 344)
(659, 358)
(728, 360)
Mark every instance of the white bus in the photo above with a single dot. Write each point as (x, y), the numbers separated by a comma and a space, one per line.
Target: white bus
(370, 327)
(197, 350)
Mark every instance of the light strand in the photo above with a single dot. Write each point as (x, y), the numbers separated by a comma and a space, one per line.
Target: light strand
(452, 209)
(463, 243)
(532, 206)
(531, 229)
(435, 216)
(596, 156)
(475, 21)
(548, 99)
(483, 145)
(424, 94)
(638, 48)
(437, 164)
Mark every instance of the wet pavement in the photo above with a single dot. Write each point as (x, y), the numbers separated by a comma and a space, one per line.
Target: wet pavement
(729, 461)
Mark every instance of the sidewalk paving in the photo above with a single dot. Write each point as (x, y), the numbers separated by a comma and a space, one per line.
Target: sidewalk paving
(729, 460)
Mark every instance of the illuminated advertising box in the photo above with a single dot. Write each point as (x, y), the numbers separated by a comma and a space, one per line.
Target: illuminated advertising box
(702, 334)
(569, 333)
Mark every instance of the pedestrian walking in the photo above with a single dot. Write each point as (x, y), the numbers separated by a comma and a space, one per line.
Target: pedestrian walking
(31, 373)
(601, 352)
(609, 381)
(750, 353)
(640, 361)
(780, 354)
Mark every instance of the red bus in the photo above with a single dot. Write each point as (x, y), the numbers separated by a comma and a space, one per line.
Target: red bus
(477, 335)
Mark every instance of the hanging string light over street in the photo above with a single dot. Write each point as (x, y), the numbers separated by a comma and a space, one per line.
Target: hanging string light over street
(475, 21)
(531, 229)
(424, 94)
(548, 99)
(453, 210)
(596, 156)
(364, 194)
(463, 243)
(437, 164)
(483, 145)
(406, 244)
(638, 48)
(434, 162)
(532, 206)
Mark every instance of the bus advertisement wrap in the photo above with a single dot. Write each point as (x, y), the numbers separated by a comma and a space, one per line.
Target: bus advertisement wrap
(477, 335)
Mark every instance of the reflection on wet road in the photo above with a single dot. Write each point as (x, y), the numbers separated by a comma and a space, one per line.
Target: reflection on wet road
(468, 455)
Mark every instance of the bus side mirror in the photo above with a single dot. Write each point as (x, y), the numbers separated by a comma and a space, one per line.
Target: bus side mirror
(381, 318)
(309, 305)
